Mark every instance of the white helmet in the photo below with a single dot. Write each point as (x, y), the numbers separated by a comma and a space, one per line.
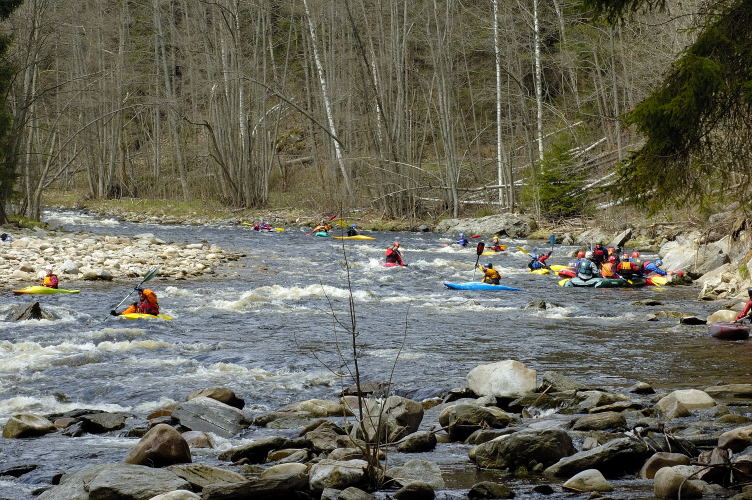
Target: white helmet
(589, 254)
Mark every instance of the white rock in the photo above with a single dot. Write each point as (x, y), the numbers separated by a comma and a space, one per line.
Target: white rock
(336, 474)
(588, 480)
(692, 399)
(502, 379)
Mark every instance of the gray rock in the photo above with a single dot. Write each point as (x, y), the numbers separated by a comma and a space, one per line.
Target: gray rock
(17, 470)
(208, 415)
(415, 490)
(177, 495)
(484, 435)
(600, 422)
(642, 388)
(524, 449)
(417, 470)
(621, 239)
(326, 437)
(393, 418)
(28, 312)
(418, 442)
(353, 493)
(489, 489)
(670, 482)
(24, 425)
(512, 225)
(612, 459)
(200, 476)
(588, 480)
(197, 439)
(559, 382)
(737, 439)
(221, 394)
(660, 460)
(730, 391)
(101, 422)
(230, 491)
(691, 399)
(285, 478)
(502, 379)
(336, 474)
(257, 451)
(461, 420)
(159, 447)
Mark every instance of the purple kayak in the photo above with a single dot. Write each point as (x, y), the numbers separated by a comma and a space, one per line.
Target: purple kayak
(727, 330)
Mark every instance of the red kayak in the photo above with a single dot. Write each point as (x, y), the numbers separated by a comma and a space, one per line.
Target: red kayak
(567, 273)
(393, 264)
(729, 330)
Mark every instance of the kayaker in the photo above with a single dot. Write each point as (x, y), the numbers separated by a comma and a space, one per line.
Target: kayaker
(654, 267)
(393, 255)
(490, 275)
(352, 231)
(496, 244)
(50, 280)
(147, 304)
(462, 240)
(608, 269)
(262, 226)
(599, 254)
(6, 238)
(624, 268)
(538, 261)
(747, 306)
(322, 227)
(586, 268)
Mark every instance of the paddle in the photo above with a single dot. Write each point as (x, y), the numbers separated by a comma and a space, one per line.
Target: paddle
(523, 251)
(147, 277)
(552, 241)
(474, 237)
(479, 252)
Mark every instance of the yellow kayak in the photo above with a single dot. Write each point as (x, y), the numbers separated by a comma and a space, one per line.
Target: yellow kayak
(356, 237)
(145, 316)
(43, 290)
(279, 229)
(541, 271)
(559, 267)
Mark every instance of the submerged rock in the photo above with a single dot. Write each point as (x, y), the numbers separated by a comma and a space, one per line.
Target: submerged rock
(28, 312)
(489, 489)
(24, 425)
(209, 415)
(221, 394)
(524, 449)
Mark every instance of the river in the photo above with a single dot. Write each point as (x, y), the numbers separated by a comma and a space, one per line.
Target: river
(263, 326)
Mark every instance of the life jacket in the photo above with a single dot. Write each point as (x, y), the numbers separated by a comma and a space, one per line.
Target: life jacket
(491, 276)
(608, 271)
(393, 256)
(599, 255)
(50, 281)
(149, 305)
(584, 269)
(535, 264)
(624, 266)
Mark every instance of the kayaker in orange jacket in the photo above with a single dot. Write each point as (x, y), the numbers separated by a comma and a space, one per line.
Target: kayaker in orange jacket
(147, 304)
(50, 280)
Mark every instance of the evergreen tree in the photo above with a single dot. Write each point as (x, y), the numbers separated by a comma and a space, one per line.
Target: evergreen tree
(557, 184)
(7, 157)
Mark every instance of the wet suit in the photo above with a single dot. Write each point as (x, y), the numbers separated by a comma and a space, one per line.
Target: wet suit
(393, 256)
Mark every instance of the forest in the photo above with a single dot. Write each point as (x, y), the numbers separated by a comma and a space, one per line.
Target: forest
(408, 108)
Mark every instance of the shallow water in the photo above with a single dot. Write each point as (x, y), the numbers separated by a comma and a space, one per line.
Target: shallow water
(264, 327)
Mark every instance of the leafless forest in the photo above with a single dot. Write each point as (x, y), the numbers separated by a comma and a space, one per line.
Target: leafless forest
(406, 107)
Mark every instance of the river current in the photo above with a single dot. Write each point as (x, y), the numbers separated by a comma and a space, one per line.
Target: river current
(264, 326)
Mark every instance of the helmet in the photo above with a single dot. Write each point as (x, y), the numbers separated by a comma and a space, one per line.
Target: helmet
(462, 234)
(625, 256)
(139, 289)
(749, 291)
(353, 225)
(581, 254)
(396, 243)
(589, 254)
(659, 262)
(635, 254)
(599, 244)
(534, 256)
(48, 269)
(489, 264)
(612, 258)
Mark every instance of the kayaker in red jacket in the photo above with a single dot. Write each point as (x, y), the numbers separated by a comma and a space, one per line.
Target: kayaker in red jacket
(147, 304)
(393, 255)
(50, 280)
(747, 306)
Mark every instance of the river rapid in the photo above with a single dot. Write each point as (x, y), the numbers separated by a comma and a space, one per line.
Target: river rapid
(264, 326)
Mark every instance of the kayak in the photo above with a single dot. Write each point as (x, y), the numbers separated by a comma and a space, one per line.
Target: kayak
(620, 283)
(566, 273)
(266, 230)
(491, 251)
(559, 267)
(323, 234)
(656, 280)
(43, 290)
(356, 237)
(145, 316)
(729, 331)
(541, 271)
(477, 285)
(393, 264)
(579, 282)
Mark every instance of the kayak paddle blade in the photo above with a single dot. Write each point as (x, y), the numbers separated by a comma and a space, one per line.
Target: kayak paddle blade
(564, 281)
(479, 248)
(552, 241)
(523, 251)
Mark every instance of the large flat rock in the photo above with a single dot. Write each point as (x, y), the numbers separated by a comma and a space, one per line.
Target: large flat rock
(209, 415)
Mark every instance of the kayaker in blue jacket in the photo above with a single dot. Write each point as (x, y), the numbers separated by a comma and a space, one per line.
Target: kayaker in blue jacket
(462, 240)
(655, 267)
(586, 268)
(539, 261)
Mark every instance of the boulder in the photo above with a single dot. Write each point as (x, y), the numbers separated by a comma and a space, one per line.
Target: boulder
(24, 425)
(209, 415)
(200, 476)
(417, 470)
(17, 470)
(691, 399)
(737, 439)
(524, 449)
(28, 312)
(669, 480)
(160, 447)
(320, 408)
(502, 379)
(730, 391)
(587, 480)
(416, 490)
(221, 394)
(642, 388)
(559, 382)
(115, 481)
(197, 439)
(101, 422)
(724, 315)
(512, 225)
(418, 442)
(461, 420)
(392, 419)
(660, 460)
(591, 236)
(614, 458)
(336, 474)
(325, 437)
(257, 451)
(285, 478)
(177, 495)
(600, 421)
(353, 493)
(489, 489)
(620, 239)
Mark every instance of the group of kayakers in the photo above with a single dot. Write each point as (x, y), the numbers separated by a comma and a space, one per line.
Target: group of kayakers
(612, 263)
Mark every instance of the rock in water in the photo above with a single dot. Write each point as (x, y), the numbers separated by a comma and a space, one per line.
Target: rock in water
(159, 447)
(502, 379)
(32, 311)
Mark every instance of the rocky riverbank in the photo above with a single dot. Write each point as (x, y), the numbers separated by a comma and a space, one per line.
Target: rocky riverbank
(553, 433)
(85, 256)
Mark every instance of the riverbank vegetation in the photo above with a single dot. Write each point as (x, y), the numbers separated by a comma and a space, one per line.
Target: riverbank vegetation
(408, 110)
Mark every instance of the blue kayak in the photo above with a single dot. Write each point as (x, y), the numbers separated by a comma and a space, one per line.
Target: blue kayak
(477, 285)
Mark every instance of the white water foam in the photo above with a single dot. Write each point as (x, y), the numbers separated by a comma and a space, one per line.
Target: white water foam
(289, 380)
(261, 296)
(48, 404)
